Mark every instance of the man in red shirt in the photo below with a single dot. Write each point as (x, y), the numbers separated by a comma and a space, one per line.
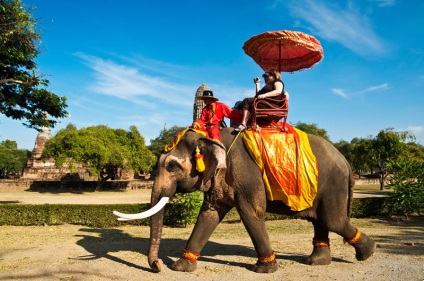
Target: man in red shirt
(212, 114)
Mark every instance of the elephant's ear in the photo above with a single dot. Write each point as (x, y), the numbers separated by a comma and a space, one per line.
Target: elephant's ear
(214, 154)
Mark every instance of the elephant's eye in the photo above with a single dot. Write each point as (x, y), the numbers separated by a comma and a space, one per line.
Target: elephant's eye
(173, 166)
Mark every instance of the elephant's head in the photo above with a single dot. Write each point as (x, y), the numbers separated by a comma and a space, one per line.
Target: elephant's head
(177, 173)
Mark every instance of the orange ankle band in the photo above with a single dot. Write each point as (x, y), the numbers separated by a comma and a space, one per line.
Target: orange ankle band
(190, 255)
(355, 238)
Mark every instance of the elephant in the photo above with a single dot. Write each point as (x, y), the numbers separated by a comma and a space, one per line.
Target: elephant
(232, 179)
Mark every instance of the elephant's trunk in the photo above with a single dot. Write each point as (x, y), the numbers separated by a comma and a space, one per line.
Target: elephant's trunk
(156, 224)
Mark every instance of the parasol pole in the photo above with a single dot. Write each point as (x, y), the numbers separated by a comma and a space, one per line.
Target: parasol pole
(279, 55)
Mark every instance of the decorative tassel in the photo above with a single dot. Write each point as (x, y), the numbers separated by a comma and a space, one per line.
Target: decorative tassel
(200, 165)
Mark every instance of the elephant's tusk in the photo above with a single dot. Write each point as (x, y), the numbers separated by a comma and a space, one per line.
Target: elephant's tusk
(126, 217)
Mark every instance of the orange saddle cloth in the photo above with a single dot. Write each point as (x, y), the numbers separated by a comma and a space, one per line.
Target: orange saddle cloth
(287, 163)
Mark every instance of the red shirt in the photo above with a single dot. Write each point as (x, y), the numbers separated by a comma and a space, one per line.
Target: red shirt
(213, 113)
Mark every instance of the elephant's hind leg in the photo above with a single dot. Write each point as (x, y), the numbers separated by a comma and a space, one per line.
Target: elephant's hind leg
(321, 254)
(364, 246)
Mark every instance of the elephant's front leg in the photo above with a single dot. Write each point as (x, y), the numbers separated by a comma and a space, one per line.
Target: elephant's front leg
(253, 219)
(206, 223)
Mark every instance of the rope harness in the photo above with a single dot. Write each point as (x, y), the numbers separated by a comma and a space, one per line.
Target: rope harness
(228, 150)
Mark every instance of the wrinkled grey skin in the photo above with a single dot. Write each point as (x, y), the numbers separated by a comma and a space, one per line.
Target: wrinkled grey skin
(239, 184)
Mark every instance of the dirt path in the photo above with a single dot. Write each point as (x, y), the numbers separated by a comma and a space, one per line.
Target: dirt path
(99, 197)
(72, 252)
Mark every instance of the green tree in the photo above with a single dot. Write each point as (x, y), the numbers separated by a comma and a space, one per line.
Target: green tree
(22, 89)
(408, 184)
(361, 159)
(312, 129)
(414, 151)
(346, 149)
(12, 159)
(165, 137)
(106, 150)
(145, 160)
(386, 147)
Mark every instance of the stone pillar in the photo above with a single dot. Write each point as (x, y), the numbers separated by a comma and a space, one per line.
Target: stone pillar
(40, 142)
(199, 104)
(35, 168)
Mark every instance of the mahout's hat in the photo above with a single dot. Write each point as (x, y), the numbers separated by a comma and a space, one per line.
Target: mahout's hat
(207, 94)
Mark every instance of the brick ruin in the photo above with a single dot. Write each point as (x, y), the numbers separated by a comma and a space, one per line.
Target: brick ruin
(37, 169)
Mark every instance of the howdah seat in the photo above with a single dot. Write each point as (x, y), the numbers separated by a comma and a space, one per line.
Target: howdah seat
(268, 111)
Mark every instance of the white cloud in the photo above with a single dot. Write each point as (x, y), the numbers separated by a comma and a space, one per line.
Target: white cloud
(340, 92)
(416, 129)
(347, 26)
(382, 87)
(128, 83)
(378, 88)
(385, 3)
(152, 97)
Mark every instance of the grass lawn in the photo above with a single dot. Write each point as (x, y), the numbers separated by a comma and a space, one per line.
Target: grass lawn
(367, 187)
(371, 188)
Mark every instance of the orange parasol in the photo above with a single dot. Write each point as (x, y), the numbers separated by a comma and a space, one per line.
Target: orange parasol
(284, 50)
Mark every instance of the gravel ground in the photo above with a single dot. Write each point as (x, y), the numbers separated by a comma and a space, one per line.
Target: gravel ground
(72, 252)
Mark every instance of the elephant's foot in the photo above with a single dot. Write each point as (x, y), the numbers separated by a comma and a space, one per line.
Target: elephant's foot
(187, 262)
(266, 264)
(364, 246)
(184, 265)
(321, 255)
(265, 267)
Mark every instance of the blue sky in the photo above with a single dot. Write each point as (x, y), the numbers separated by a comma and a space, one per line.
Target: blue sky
(123, 63)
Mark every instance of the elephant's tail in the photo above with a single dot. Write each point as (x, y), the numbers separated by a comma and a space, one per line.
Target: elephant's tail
(351, 187)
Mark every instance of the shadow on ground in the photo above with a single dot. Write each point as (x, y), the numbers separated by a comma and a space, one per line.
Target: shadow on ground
(101, 243)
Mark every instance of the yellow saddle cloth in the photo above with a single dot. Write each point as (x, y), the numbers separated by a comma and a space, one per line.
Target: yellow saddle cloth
(287, 163)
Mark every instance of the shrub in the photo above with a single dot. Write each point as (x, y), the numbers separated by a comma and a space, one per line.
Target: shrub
(369, 207)
(185, 208)
(88, 215)
(181, 212)
(408, 184)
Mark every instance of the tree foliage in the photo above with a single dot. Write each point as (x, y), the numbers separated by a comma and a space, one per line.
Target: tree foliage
(312, 129)
(386, 147)
(361, 160)
(12, 159)
(165, 137)
(413, 152)
(375, 153)
(346, 148)
(106, 150)
(408, 184)
(23, 93)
